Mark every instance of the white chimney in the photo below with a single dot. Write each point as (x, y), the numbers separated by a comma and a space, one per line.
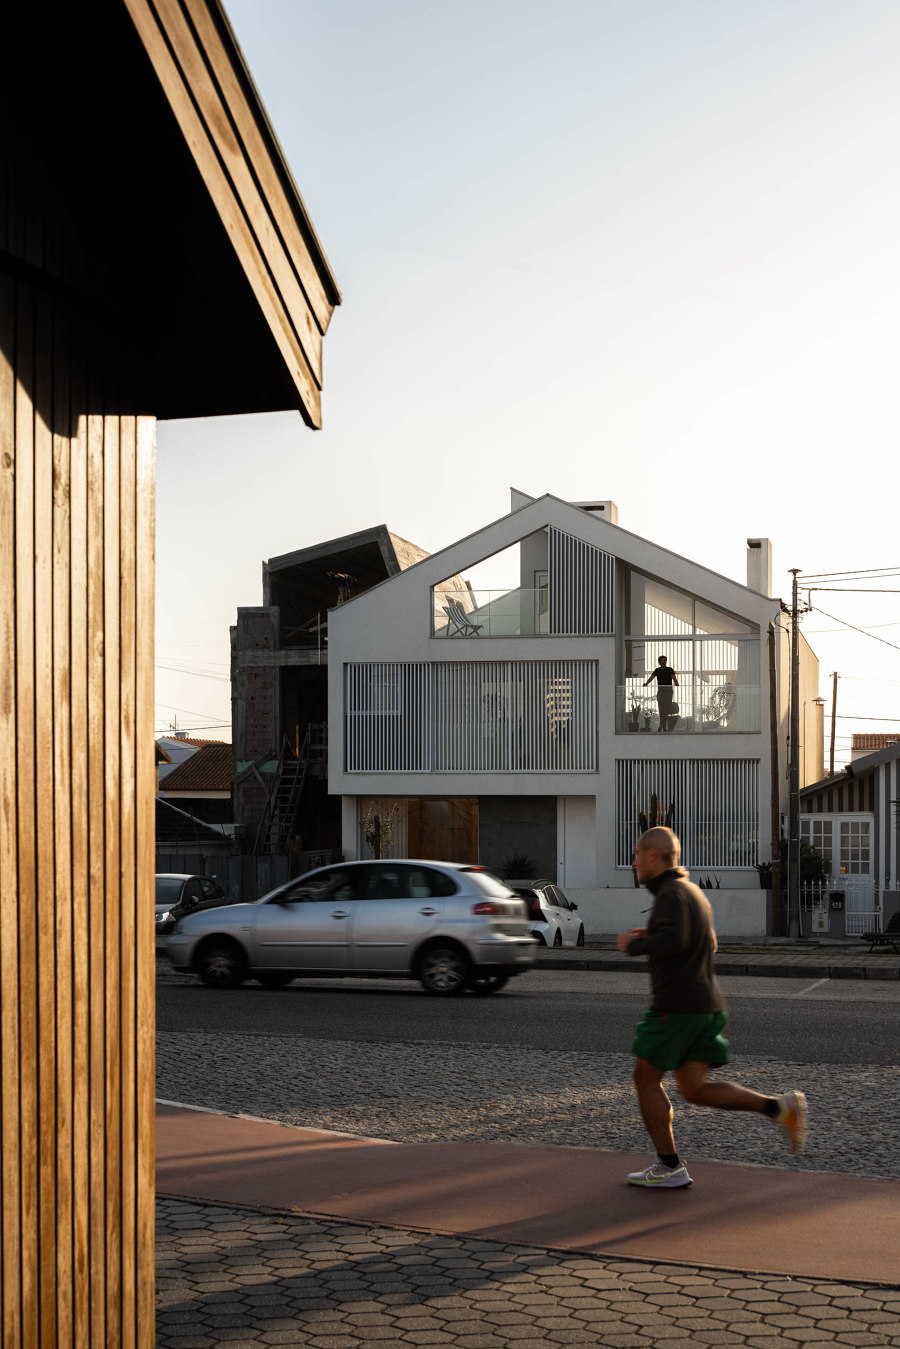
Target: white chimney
(759, 565)
(604, 510)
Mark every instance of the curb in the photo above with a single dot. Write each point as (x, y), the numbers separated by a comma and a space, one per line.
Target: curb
(731, 966)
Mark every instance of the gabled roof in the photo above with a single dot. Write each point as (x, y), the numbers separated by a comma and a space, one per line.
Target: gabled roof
(534, 514)
(189, 740)
(209, 770)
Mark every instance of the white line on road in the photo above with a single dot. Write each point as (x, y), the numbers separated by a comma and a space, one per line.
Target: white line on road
(817, 984)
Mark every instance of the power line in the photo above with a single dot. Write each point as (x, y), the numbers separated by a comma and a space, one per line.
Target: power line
(856, 571)
(834, 618)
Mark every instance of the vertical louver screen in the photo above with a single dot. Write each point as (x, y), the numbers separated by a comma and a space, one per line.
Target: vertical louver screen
(582, 584)
(472, 717)
(715, 807)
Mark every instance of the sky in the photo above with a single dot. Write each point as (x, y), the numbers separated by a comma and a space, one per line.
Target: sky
(638, 250)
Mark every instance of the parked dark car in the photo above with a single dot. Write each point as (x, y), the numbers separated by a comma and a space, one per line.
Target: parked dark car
(178, 895)
(552, 917)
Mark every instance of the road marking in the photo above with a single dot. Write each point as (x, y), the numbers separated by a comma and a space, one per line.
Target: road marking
(817, 984)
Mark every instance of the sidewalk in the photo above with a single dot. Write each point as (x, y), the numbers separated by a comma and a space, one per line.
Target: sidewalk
(820, 959)
(277, 1235)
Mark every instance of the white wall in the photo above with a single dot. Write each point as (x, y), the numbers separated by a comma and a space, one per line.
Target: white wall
(737, 913)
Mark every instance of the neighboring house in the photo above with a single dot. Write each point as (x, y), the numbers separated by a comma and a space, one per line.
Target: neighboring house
(279, 655)
(177, 748)
(201, 785)
(851, 818)
(524, 725)
(867, 743)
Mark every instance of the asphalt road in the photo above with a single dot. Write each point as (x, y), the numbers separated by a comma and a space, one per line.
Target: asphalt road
(800, 1020)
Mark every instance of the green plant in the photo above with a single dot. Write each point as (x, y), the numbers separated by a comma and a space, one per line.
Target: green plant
(651, 819)
(814, 866)
(518, 867)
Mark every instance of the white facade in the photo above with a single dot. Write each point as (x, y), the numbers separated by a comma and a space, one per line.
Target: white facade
(528, 696)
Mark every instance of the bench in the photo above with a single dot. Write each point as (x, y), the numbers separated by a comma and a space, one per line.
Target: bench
(889, 937)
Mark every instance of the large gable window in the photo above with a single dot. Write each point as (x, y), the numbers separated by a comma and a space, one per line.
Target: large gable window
(715, 656)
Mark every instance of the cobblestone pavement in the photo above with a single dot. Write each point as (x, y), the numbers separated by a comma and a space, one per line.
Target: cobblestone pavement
(426, 1091)
(241, 1277)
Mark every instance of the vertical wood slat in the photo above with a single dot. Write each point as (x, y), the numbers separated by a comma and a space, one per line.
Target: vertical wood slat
(113, 805)
(95, 934)
(81, 915)
(716, 807)
(10, 1131)
(581, 587)
(27, 969)
(62, 793)
(145, 932)
(127, 1017)
(45, 981)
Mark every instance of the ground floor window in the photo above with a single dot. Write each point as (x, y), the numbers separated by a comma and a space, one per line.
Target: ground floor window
(845, 841)
(714, 806)
(430, 828)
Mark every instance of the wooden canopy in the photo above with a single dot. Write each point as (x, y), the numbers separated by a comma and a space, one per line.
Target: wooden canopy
(185, 234)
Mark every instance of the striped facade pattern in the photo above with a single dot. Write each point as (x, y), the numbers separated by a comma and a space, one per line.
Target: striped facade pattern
(716, 808)
(77, 787)
(471, 717)
(582, 583)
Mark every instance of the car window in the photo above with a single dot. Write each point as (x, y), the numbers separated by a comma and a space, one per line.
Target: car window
(426, 882)
(334, 883)
(559, 898)
(210, 889)
(387, 881)
(192, 892)
(487, 882)
(168, 888)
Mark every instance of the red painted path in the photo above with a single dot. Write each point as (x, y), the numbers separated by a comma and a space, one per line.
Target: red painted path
(574, 1199)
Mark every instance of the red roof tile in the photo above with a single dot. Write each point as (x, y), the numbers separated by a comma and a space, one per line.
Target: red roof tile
(209, 770)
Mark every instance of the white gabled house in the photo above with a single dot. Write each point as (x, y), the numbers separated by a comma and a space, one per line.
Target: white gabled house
(516, 722)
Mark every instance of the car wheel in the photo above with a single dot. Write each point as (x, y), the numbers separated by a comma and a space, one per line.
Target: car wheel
(443, 971)
(274, 979)
(488, 983)
(220, 964)
(580, 941)
(557, 940)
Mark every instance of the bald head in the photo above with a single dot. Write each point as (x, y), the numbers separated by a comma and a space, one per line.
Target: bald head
(657, 850)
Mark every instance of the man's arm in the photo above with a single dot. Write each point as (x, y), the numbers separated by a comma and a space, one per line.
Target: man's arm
(670, 930)
(674, 677)
(650, 679)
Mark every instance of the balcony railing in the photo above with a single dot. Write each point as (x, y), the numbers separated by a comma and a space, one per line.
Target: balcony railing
(490, 613)
(702, 706)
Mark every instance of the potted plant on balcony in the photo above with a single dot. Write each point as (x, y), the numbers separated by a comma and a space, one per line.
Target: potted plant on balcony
(635, 722)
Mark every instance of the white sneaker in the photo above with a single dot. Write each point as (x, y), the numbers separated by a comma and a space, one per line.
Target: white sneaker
(661, 1177)
(793, 1118)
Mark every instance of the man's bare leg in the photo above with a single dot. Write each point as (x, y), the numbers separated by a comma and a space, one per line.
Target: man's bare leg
(691, 1078)
(656, 1108)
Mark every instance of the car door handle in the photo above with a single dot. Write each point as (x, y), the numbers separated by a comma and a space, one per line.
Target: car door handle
(428, 913)
(340, 913)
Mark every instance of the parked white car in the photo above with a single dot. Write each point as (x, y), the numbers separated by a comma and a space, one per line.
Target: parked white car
(553, 918)
(448, 925)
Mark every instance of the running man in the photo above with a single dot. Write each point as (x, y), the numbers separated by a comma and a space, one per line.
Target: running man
(665, 677)
(682, 1032)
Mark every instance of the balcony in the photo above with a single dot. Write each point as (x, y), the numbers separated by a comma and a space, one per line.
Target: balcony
(489, 613)
(703, 707)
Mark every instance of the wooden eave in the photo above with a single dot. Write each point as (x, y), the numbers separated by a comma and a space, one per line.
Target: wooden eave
(207, 85)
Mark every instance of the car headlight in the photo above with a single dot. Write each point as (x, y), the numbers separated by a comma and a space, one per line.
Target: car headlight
(164, 917)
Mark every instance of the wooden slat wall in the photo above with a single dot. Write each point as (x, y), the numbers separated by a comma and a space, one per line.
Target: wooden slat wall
(76, 838)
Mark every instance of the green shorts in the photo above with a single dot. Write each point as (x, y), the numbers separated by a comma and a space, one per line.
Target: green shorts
(666, 1039)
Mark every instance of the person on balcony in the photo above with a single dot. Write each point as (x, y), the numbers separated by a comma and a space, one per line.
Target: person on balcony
(665, 677)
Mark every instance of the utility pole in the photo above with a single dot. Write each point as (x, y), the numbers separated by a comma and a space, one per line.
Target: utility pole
(833, 723)
(794, 781)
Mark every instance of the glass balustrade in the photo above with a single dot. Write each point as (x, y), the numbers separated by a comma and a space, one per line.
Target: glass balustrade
(489, 613)
(703, 706)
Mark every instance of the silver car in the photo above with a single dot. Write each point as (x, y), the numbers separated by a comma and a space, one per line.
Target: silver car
(449, 925)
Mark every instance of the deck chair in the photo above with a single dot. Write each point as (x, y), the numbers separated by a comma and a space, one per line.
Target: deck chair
(889, 937)
(460, 620)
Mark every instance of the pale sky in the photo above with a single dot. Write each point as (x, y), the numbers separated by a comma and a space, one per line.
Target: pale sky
(632, 249)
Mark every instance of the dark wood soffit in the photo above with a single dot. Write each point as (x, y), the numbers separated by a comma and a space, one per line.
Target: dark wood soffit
(206, 83)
